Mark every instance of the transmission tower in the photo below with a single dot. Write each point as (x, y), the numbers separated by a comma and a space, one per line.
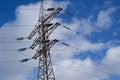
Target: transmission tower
(43, 30)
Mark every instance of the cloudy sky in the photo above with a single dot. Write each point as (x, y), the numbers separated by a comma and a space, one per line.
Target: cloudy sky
(93, 37)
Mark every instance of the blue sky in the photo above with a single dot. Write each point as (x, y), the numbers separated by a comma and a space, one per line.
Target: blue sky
(5, 17)
(99, 38)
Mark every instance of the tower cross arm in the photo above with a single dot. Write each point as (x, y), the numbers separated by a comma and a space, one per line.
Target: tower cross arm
(34, 31)
(52, 43)
(52, 28)
(38, 53)
(36, 42)
(53, 14)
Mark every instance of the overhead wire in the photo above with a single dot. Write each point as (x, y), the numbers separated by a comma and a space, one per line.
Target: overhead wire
(19, 8)
(89, 74)
(9, 61)
(105, 66)
(91, 54)
(81, 20)
(14, 42)
(69, 29)
(32, 68)
(72, 16)
(102, 65)
(1, 62)
(86, 65)
(4, 50)
(60, 50)
(7, 50)
(63, 11)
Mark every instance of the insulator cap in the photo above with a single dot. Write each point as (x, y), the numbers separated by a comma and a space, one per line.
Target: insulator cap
(28, 38)
(25, 60)
(60, 8)
(50, 9)
(66, 27)
(22, 49)
(58, 23)
(65, 44)
(56, 40)
(48, 24)
(20, 38)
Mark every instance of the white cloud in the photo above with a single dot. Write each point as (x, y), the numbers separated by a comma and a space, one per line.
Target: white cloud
(18, 77)
(77, 69)
(104, 19)
(112, 59)
(71, 69)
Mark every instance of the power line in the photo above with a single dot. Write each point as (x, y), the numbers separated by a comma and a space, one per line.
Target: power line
(67, 68)
(25, 25)
(91, 54)
(57, 65)
(19, 8)
(14, 61)
(60, 42)
(81, 20)
(65, 49)
(9, 61)
(74, 62)
(3, 62)
(14, 42)
(8, 49)
(6, 38)
(74, 70)
(56, 33)
(108, 33)
(83, 64)
(78, 71)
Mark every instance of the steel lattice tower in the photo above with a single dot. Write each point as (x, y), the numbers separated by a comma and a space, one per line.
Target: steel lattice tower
(44, 29)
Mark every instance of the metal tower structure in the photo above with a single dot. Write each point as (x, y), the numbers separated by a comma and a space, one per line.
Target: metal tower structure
(42, 31)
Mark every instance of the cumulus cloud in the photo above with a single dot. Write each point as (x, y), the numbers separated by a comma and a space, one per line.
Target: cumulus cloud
(76, 69)
(71, 69)
(65, 65)
(113, 55)
(104, 19)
